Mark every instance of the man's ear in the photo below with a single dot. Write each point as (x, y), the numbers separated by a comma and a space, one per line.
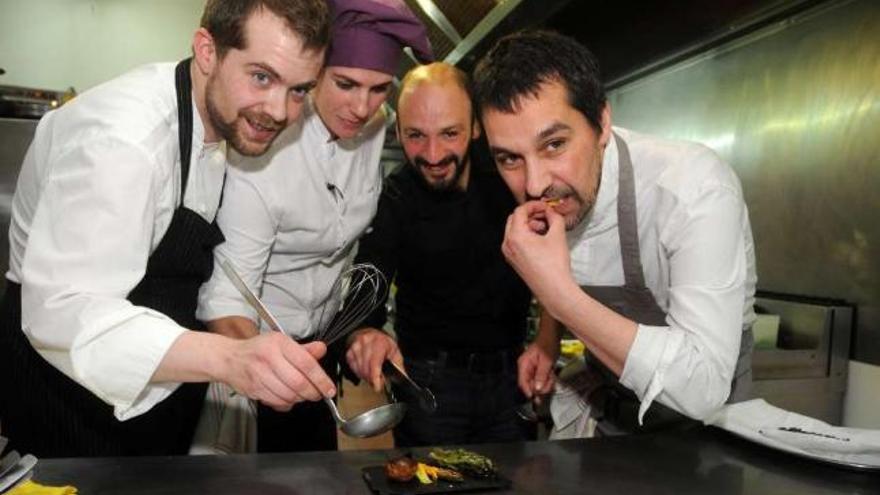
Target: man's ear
(605, 120)
(204, 51)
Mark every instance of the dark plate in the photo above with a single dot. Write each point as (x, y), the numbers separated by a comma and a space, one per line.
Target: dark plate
(375, 478)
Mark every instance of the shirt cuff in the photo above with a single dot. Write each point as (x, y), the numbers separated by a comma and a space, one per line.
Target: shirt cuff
(217, 308)
(117, 364)
(653, 350)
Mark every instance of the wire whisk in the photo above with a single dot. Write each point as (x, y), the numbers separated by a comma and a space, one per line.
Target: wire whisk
(361, 288)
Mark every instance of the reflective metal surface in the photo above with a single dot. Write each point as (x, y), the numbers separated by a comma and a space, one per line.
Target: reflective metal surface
(698, 461)
(15, 137)
(397, 376)
(806, 372)
(795, 108)
(492, 19)
(370, 423)
(440, 20)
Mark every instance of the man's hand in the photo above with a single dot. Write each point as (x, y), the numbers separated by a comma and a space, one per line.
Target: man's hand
(540, 257)
(368, 349)
(535, 369)
(277, 371)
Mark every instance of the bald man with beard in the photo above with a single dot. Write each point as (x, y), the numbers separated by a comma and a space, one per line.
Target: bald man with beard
(461, 310)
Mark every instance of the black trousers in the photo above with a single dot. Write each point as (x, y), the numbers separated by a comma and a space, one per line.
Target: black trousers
(308, 426)
(477, 396)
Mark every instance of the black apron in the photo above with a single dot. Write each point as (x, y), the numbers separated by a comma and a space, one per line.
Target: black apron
(45, 413)
(614, 406)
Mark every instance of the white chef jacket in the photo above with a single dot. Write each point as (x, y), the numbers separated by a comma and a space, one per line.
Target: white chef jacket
(95, 195)
(698, 258)
(291, 218)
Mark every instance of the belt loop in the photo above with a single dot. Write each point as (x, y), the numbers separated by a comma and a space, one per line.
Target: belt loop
(472, 357)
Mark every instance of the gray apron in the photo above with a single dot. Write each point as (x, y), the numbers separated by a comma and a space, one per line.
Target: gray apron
(614, 406)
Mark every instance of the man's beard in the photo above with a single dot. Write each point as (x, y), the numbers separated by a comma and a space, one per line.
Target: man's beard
(229, 131)
(586, 201)
(459, 164)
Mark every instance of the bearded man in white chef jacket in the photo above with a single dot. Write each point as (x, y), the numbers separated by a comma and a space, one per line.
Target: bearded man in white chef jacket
(641, 247)
(112, 235)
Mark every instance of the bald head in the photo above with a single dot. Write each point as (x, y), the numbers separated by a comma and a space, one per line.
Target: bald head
(435, 124)
(438, 73)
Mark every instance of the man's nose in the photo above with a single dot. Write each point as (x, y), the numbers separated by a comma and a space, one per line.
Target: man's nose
(276, 106)
(537, 179)
(434, 152)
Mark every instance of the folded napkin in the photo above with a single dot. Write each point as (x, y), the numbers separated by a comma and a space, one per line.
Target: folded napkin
(568, 405)
(15, 469)
(227, 425)
(31, 488)
(763, 423)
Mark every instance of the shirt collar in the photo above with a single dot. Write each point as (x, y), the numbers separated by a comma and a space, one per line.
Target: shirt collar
(314, 125)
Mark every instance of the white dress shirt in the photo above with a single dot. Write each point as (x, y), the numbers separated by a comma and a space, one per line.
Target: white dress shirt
(291, 218)
(698, 258)
(95, 195)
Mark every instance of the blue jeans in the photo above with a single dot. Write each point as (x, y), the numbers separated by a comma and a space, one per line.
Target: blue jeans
(475, 404)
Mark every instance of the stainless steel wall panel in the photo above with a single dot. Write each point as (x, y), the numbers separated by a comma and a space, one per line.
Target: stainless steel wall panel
(795, 108)
(15, 137)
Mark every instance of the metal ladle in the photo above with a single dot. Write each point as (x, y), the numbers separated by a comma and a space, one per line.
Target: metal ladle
(367, 424)
(370, 423)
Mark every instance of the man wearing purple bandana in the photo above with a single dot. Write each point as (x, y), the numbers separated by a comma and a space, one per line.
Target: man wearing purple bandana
(292, 216)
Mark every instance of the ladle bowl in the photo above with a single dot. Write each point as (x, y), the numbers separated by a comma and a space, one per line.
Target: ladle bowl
(369, 423)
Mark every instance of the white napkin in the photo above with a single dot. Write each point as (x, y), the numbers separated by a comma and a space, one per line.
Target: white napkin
(568, 405)
(228, 424)
(763, 423)
(571, 414)
(18, 472)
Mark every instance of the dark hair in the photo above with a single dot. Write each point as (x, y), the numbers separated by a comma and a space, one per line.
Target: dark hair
(225, 19)
(520, 63)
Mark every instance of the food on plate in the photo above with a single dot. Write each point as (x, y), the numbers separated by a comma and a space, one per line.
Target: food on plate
(465, 461)
(405, 468)
(401, 468)
(427, 474)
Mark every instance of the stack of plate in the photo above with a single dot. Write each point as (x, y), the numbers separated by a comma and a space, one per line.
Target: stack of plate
(14, 468)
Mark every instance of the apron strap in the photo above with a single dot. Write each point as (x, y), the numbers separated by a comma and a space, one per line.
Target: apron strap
(183, 86)
(627, 224)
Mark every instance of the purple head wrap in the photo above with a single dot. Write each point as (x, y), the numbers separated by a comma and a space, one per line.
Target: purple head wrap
(370, 34)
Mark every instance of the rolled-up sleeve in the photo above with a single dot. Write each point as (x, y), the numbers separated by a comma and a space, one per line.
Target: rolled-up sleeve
(689, 365)
(87, 248)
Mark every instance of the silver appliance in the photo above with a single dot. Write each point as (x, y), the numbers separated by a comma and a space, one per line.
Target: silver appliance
(807, 370)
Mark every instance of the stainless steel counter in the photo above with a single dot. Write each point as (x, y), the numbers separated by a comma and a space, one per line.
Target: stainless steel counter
(698, 460)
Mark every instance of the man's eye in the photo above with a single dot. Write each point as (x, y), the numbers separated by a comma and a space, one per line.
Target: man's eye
(261, 78)
(505, 160)
(344, 85)
(555, 144)
(451, 134)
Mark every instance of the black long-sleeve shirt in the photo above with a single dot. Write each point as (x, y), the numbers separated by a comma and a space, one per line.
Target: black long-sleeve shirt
(455, 291)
